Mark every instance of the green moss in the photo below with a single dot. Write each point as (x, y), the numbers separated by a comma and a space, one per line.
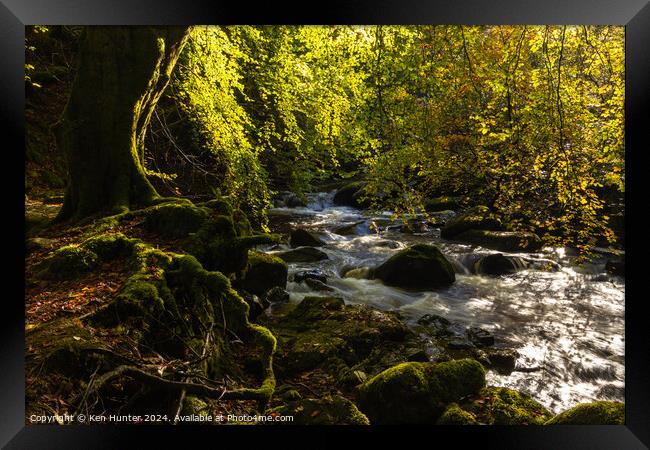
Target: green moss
(420, 266)
(316, 308)
(503, 406)
(596, 413)
(350, 194)
(175, 220)
(110, 246)
(477, 218)
(219, 205)
(263, 273)
(455, 415)
(416, 392)
(67, 262)
(194, 405)
(329, 410)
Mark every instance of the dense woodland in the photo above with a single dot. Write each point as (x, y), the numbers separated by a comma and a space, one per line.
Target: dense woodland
(154, 155)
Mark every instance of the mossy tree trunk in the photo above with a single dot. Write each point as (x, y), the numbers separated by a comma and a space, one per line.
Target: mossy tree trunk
(121, 75)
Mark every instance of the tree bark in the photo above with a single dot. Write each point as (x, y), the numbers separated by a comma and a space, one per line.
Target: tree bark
(121, 75)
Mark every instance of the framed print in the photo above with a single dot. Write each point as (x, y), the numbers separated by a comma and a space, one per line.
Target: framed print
(360, 219)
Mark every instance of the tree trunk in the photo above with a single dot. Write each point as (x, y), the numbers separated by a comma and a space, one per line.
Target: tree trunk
(121, 75)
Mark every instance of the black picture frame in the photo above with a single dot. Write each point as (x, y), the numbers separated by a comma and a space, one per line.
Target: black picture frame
(634, 14)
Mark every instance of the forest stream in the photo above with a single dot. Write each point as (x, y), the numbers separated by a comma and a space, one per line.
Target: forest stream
(567, 325)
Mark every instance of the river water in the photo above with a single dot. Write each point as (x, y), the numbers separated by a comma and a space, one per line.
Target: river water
(569, 323)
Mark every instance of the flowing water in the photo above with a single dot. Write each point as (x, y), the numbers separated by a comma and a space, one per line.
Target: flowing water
(567, 325)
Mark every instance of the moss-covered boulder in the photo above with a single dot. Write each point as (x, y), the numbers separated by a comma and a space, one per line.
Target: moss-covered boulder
(499, 264)
(329, 410)
(455, 415)
(264, 272)
(175, 220)
(503, 406)
(596, 413)
(322, 333)
(417, 392)
(418, 267)
(72, 261)
(111, 246)
(303, 254)
(503, 241)
(477, 218)
(350, 195)
(214, 232)
(300, 238)
(311, 309)
(67, 262)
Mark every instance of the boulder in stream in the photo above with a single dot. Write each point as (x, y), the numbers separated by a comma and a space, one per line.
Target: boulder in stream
(476, 218)
(347, 229)
(317, 285)
(304, 238)
(480, 337)
(421, 266)
(350, 195)
(359, 273)
(503, 241)
(264, 272)
(303, 254)
(315, 274)
(499, 264)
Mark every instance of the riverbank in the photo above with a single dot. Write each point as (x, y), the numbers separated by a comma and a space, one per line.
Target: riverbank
(338, 337)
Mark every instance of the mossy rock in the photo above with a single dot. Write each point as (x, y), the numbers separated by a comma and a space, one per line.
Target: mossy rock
(311, 309)
(264, 272)
(417, 392)
(455, 415)
(303, 254)
(218, 235)
(420, 266)
(110, 246)
(503, 406)
(477, 218)
(595, 413)
(68, 262)
(361, 338)
(349, 195)
(503, 241)
(329, 410)
(311, 348)
(175, 220)
(219, 205)
(304, 238)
